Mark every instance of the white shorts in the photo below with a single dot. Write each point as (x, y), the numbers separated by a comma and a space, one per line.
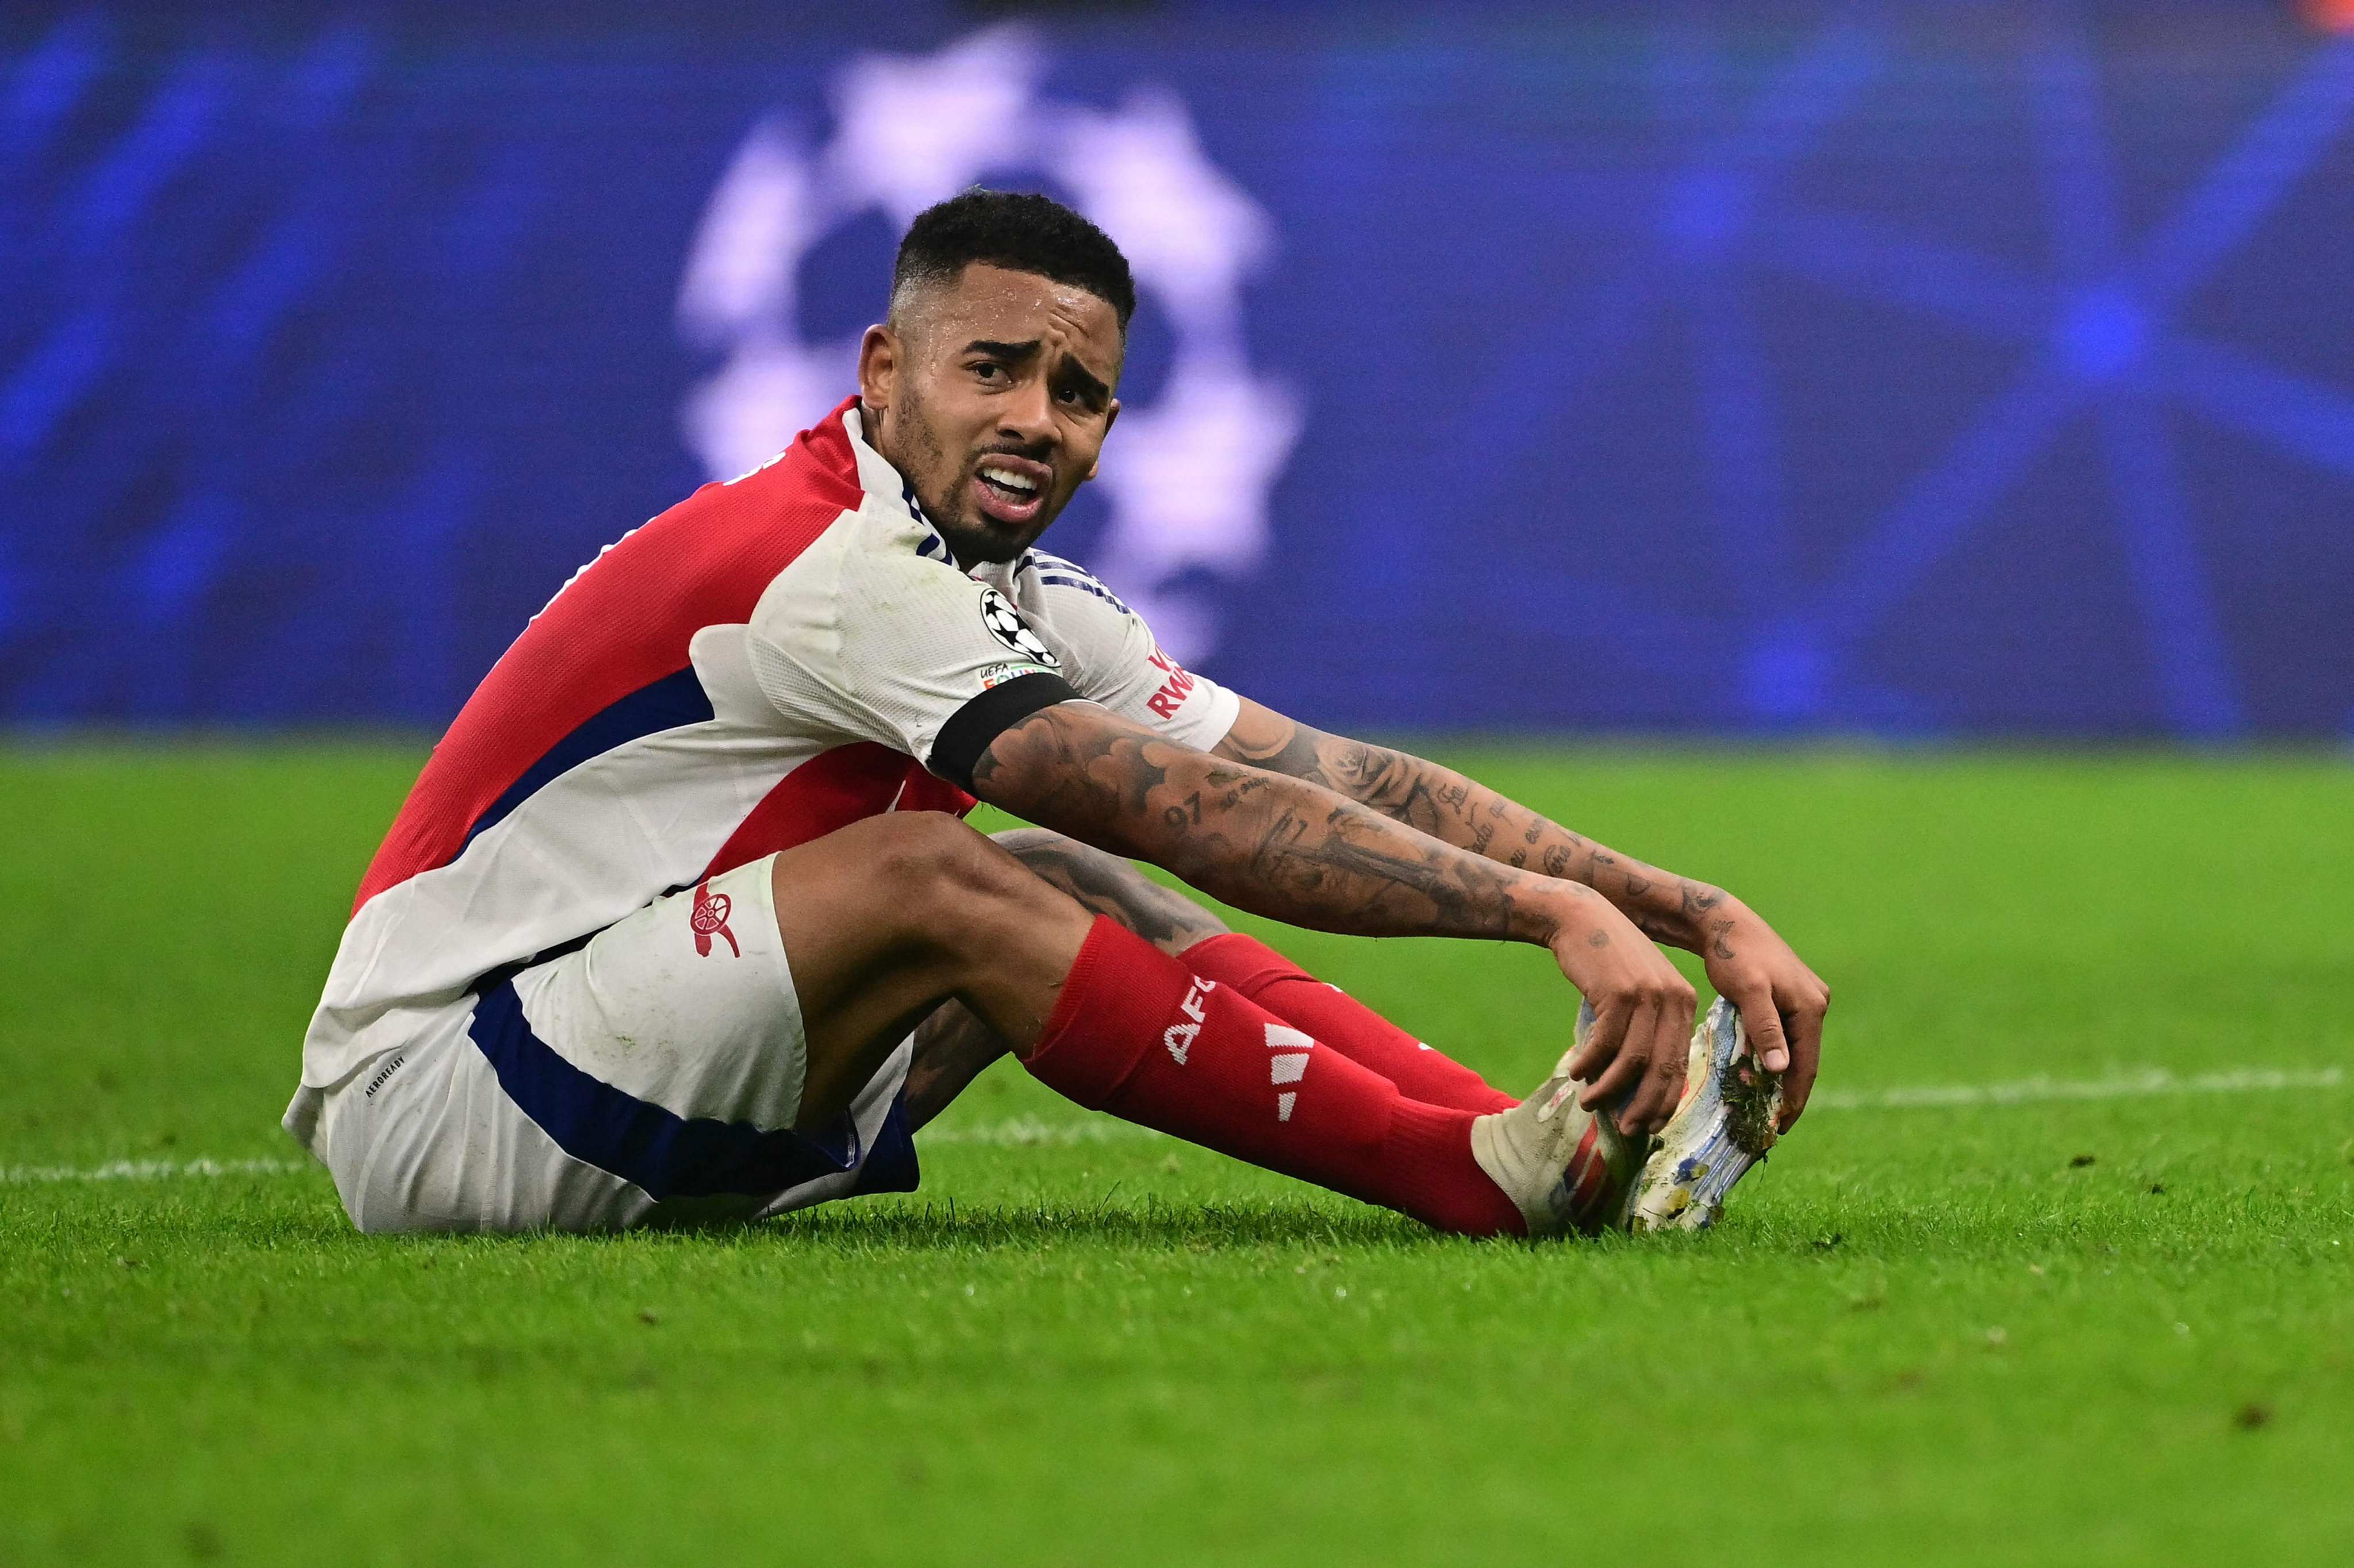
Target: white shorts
(651, 1076)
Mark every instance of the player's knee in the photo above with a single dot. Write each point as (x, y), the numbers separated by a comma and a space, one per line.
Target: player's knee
(934, 868)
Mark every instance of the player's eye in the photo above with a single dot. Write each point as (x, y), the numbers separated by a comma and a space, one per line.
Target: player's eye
(988, 369)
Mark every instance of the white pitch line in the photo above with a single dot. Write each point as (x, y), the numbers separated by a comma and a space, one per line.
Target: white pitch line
(2148, 1084)
(1030, 1131)
(146, 1171)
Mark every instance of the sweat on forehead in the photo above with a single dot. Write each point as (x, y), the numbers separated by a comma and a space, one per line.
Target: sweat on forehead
(917, 300)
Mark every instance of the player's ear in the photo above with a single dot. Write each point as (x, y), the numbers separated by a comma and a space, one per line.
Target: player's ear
(878, 364)
(1111, 413)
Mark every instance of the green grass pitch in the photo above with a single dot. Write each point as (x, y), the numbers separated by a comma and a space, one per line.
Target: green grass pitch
(2082, 1311)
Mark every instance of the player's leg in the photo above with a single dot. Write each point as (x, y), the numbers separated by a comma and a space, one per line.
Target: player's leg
(1108, 885)
(952, 1047)
(1327, 1011)
(888, 917)
(1562, 1168)
(736, 1048)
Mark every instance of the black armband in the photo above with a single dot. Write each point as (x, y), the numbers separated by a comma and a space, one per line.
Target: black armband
(972, 728)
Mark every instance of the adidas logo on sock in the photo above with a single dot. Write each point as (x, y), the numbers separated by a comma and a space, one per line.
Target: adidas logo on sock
(1288, 1067)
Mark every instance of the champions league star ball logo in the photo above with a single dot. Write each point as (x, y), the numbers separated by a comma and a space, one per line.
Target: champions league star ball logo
(1006, 624)
(1187, 475)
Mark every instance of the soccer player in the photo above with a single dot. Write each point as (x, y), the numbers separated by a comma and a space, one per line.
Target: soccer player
(680, 922)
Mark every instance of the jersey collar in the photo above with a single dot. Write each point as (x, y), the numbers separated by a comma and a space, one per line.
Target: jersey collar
(877, 477)
(886, 484)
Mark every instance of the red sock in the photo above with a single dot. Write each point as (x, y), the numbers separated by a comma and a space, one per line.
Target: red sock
(1344, 1023)
(1138, 1033)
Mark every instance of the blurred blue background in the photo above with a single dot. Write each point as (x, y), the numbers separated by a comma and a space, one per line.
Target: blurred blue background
(1912, 369)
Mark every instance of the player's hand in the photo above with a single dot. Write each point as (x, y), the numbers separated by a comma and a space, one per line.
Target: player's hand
(1781, 1001)
(1643, 1013)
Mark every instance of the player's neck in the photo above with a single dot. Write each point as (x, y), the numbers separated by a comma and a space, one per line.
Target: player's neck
(870, 430)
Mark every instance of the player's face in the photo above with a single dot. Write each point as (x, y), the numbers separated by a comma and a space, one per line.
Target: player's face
(993, 400)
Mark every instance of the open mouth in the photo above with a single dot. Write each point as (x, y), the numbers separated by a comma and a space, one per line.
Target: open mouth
(1010, 489)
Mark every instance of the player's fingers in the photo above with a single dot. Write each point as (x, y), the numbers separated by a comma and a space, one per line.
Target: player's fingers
(1663, 1086)
(1675, 1053)
(1806, 1060)
(1625, 1073)
(1602, 1042)
(1763, 1025)
(1629, 1106)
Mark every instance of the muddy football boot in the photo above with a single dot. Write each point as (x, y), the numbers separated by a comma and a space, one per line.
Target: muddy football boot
(1723, 1126)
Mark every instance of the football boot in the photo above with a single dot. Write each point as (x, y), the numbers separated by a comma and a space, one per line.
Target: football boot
(1567, 1168)
(1725, 1125)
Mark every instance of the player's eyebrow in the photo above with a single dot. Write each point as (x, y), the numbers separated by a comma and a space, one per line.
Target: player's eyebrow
(1080, 377)
(1090, 386)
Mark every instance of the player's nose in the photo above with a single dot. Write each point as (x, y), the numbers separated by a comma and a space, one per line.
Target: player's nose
(1028, 416)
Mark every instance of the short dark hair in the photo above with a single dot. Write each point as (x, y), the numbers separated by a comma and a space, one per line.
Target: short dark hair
(1021, 231)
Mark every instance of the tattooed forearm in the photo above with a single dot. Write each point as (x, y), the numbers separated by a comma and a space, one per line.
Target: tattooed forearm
(1283, 846)
(1456, 809)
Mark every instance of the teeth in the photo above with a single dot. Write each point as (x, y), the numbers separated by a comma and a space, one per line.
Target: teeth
(1010, 480)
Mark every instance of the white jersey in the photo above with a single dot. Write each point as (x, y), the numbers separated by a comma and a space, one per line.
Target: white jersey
(769, 661)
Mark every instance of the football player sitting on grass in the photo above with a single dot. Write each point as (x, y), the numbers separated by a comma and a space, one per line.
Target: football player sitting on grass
(680, 921)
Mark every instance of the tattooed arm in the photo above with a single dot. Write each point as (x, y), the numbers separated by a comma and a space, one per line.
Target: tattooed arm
(1782, 1001)
(1295, 850)
(1448, 806)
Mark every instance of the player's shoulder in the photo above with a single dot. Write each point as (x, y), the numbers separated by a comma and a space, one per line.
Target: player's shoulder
(705, 560)
(1051, 581)
(729, 538)
(825, 512)
(878, 569)
(1098, 636)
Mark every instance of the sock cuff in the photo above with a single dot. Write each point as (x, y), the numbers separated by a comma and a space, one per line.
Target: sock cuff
(1438, 1137)
(1120, 990)
(1070, 1000)
(1244, 963)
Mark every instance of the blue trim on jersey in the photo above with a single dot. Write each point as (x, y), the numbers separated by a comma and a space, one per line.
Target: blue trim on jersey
(932, 539)
(1085, 585)
(667, 704)
(668, 1155)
